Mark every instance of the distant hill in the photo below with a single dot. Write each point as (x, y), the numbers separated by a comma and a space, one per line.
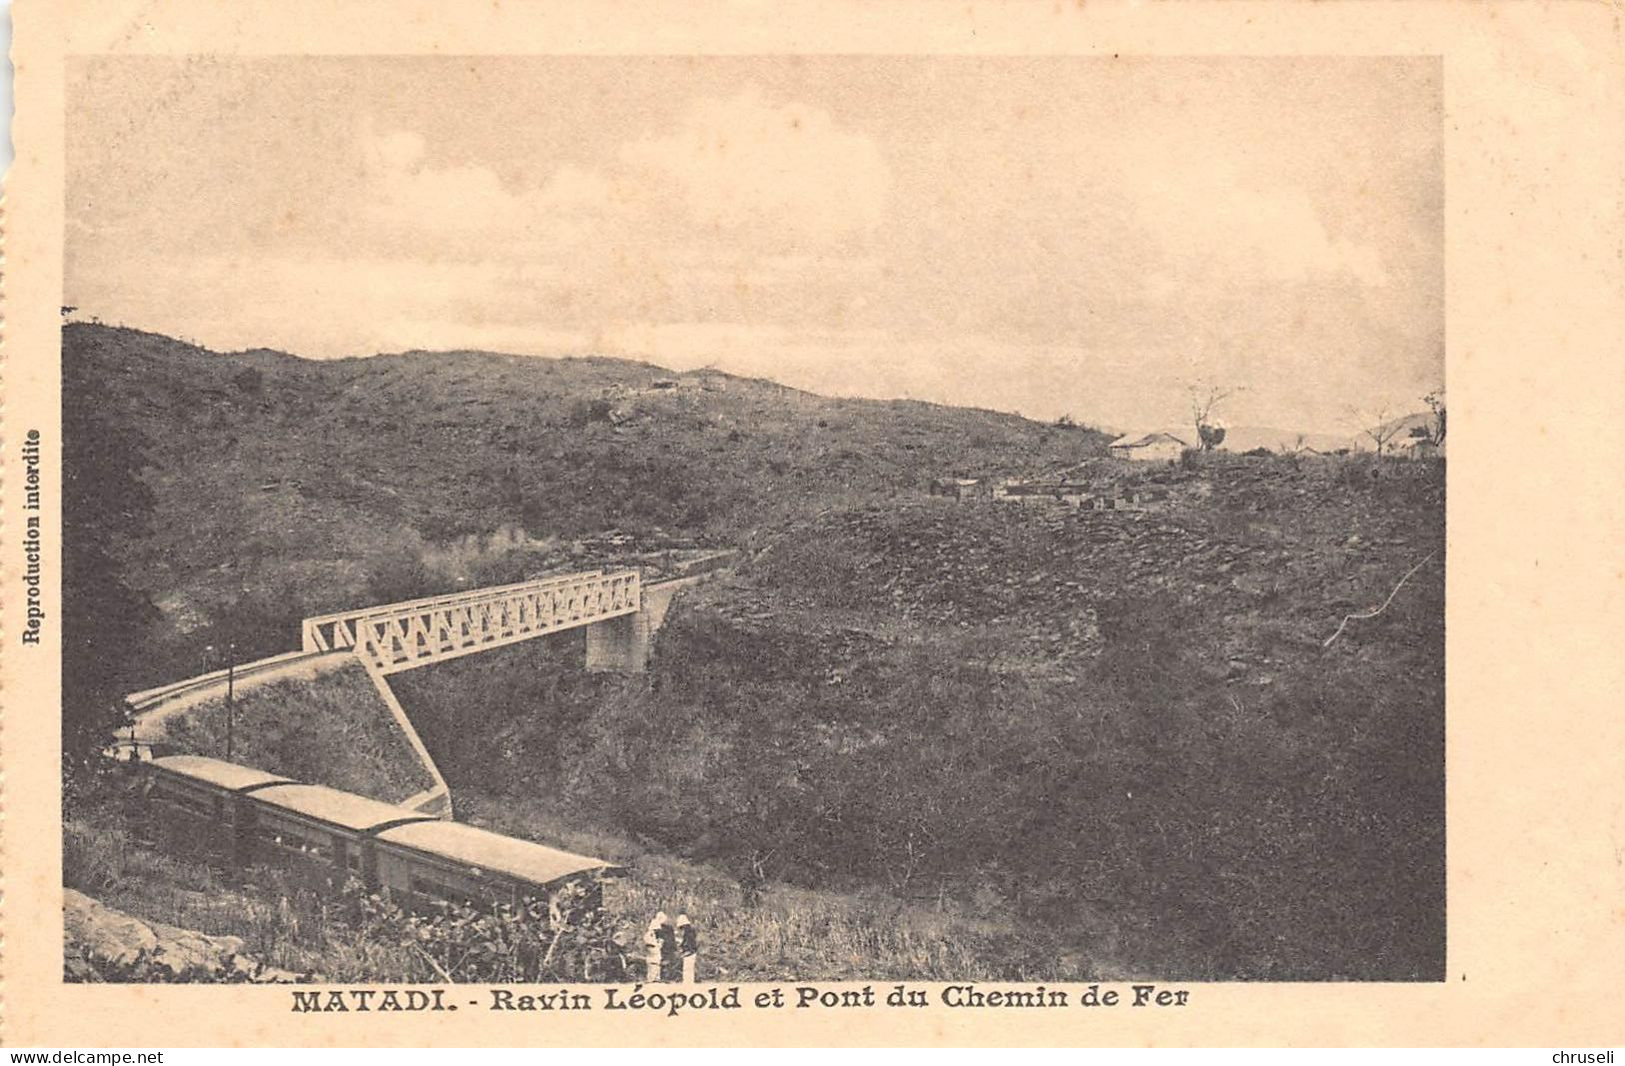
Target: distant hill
(1399, 432)
(1240, 439)
(284, 486)
(1247, 438)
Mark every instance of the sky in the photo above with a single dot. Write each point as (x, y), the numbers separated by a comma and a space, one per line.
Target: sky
(1049, 235)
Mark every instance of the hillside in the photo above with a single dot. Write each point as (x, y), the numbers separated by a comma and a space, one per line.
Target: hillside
(1115, 740)
(1239, 439)
(334, 730)
(282, 486)
(1123, 729)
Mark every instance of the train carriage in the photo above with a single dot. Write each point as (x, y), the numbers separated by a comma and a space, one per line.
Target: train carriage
(199, 805)
(245, 816)
(424, 861)
(322, 831)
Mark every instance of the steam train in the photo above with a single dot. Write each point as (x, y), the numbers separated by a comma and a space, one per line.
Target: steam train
(242, 816)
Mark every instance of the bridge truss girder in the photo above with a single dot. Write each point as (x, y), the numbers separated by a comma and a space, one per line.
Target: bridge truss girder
(402, 636)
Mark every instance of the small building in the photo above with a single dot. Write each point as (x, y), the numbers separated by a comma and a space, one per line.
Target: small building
(1415, 447)
(1015, 490)
(959, 488)
(1076, 495)
(1149, 448)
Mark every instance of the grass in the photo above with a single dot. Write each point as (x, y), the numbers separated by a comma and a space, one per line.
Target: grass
(107, 858)
(788, 933)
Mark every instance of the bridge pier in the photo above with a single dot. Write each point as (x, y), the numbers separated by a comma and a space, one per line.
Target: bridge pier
(619, 644)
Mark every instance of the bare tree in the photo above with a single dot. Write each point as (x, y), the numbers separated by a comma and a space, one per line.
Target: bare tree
(1204, 398)
(1381, 426)
(1435, 402)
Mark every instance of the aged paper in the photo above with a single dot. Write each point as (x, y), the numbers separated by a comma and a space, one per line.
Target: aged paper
(1185, 708)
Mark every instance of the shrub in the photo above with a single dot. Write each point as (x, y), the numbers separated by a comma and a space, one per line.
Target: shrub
(568, 939)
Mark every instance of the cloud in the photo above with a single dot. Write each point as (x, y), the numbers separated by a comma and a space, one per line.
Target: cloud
(1269, 229)
(744, 209)
(407, 194)
(743, 163)
(741, 174)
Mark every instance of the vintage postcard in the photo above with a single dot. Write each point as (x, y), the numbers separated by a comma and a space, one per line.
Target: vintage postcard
(790, 523)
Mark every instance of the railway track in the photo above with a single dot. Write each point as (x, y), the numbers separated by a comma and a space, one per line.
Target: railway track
(151, 704)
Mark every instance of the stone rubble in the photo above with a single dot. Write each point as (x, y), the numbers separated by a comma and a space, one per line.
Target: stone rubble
(103, 944)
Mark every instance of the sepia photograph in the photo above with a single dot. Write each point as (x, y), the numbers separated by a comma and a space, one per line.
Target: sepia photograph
(593, 519)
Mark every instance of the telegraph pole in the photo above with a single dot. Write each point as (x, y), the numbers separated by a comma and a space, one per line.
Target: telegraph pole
(231, 702)
(208, 657)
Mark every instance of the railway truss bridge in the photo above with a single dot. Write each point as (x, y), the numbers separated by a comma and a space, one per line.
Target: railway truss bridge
(401, 636)
(618, 610)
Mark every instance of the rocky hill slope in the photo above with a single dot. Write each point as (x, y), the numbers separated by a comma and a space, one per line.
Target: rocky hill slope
(1270, 552)
(1128, 733)
(1123, 727)
(276, 484)
(103, 944)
